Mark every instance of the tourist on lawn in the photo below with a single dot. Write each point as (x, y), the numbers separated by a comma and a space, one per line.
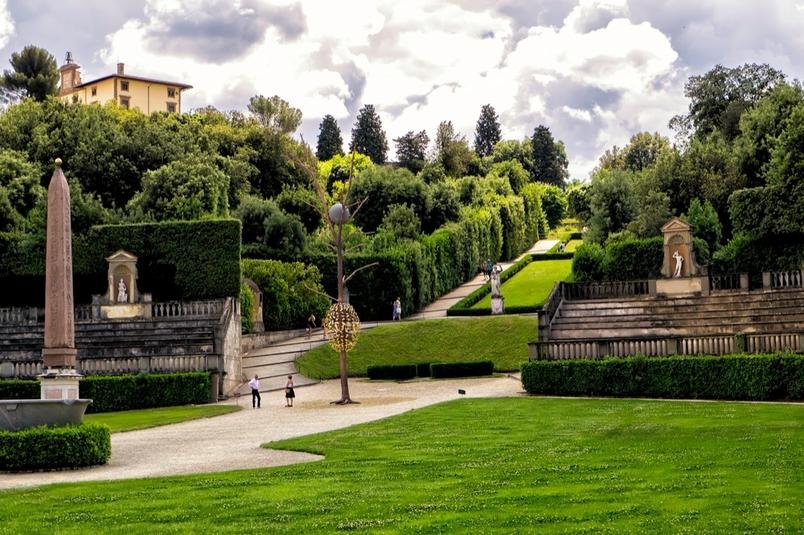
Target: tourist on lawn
(255, 392)
(289, 393)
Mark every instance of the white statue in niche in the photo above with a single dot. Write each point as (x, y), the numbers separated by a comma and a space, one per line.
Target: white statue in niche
(679, 261)
(122, 293)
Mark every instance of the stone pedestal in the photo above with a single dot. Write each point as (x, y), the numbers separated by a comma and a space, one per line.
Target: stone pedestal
(497, 305)
(684, 286)
(59, 384)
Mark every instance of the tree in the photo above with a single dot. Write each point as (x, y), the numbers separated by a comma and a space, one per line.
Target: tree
(451, 150)
(652, 206)
(275, 113)
(368, 137)
(705, 223)
(643, 150)
(511, 149)
(268, 231)
(411, 150)
(719, 97)
(487, 131)
(384, 187)
(554, 204)
(549, 158)
(330, 142)
(34, 71)
(401, 221)
(611, 202)
(513, 171)
(578, 202)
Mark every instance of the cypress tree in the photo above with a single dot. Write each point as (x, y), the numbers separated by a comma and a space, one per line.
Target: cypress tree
(368, 137)
(549, 158)
(330, 142)
(487, 131)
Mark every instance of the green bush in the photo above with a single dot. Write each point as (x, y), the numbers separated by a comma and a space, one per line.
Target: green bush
(769, 211)
(634, 259)
(743, 377)
(587, 263)
(246, 308)
(290, 292)
(461, 369)
(126, 392)
(398, 372)
(747, 254)
(423, 369)
(48, 448)
(19, 389)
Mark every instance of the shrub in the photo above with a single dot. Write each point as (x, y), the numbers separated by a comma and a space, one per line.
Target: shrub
(744, 253)
(126, 392)
(634, 259)
(462, 369)
(554, 204)
(399, 372)
(47, 448)
(748, 377)
(587, 263)
(423, 369)
(19, 389)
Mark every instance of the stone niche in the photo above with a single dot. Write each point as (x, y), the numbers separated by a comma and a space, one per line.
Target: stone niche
(256, 313)
(122, 299)
(682, 274)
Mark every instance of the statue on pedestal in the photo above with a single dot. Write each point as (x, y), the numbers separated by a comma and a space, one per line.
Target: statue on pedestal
(122, 294)
(679, 261)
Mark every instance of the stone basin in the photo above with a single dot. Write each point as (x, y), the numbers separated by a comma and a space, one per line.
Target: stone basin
(16, 414)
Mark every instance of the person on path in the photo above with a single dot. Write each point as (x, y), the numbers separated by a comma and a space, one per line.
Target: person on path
(310, 324)
(489, 267)
(397, 310)
(255, 392)
(289, 393)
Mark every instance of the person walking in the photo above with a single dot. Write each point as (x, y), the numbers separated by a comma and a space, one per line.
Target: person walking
(310, 324)
(290, 394)
(255, 392)
(397, 310)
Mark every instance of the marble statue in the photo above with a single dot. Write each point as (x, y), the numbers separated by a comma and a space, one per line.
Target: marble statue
(495, 281)
(122, 294)
(679, 260)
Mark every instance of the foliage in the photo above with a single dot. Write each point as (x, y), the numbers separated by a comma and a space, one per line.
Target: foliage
(452, 151)
(329, 142)
(34, 71)
(511, 149)
(748, 377)
(247, 303)
(642, 152)
(705, 223)
(126, 392)
(384, 187)
(578, 202)
(549, 158)
(611, 201)
(51, 448)
(487, 131)
(768, 211)
(339, 167)
(787, 157)
(512, 170)
(748, 254)
(471, 368)
(536, 223)
(411, 150)
(445, 204)
(290, 292)
(402, 222)
(302, 203)
(554, 204)
(19, 389)
(501, 339)
(183, 189)
(275, 114)
(368, 137)
(587, 264)
(268, 232)
(397, 372)
(634, 259)
(652, 206)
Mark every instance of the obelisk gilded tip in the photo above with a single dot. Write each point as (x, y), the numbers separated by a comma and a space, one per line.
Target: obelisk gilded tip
(58, 162)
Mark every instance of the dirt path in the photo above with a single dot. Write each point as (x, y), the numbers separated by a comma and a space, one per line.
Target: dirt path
(232, 441)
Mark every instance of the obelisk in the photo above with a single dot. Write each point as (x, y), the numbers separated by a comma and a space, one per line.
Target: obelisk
(59, 380)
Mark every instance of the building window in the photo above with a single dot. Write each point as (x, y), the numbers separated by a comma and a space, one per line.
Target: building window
(124, 101)
(123, 85)
(94, 91)
(171, 107)
(171, 92)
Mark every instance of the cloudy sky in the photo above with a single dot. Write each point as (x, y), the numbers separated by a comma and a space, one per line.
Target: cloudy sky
(594, 71)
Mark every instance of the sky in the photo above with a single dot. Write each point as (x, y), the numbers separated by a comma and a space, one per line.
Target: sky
(594, 71)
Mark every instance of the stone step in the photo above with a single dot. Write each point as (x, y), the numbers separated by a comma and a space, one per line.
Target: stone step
(280, 368)
(787, 306)
(777, 300)
(628, 332)
(736, 316)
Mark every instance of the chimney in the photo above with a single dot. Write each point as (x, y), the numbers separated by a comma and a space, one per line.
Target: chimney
(120, 68)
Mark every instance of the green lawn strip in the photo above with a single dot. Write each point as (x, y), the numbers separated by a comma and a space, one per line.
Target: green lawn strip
(502, 340)
(564, 230)
(572, 245)
(144, 418)
(532, 285)
(512, 465)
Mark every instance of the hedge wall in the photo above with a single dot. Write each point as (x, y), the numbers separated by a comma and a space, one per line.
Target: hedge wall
(627, 260)
(19, 389)
(398, 372)
(127, 392)
(772, 210)
(48, 448)
(462, 369)
(748, 254)
(745, 377)
(176, 260)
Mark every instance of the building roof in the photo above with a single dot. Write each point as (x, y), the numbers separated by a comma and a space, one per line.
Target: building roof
(129, 77)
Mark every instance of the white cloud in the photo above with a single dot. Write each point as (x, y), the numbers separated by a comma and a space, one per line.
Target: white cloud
(6, 24)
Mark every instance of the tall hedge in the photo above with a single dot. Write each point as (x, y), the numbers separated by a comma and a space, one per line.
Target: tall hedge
(748, 377)
(181, 260)
(772, 210)
(626, 260)
(290, 292)
(19, 389)
(127, 392)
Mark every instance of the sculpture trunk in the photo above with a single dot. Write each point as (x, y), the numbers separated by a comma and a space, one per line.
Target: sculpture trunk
(59, 348)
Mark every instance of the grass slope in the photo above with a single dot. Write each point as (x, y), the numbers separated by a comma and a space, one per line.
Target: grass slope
(516, 465)
(532, 285)
(144, 418)
(500, 339)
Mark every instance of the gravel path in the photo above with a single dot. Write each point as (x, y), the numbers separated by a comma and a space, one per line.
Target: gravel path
(232, 441)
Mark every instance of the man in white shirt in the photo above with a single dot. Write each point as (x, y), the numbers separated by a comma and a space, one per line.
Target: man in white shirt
(255, 392)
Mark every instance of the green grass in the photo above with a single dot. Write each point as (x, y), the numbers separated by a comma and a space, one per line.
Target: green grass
(500, 339)
(532, 285)
(144, 418)
(572, 245)
(515, 465)
(564, 229)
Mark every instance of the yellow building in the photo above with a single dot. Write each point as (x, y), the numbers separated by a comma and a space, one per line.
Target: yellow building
(145, 94)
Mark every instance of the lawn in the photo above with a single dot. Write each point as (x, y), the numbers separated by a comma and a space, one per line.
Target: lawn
(512, 465)
(531, 286)
(144, 418)
(503, 340)
(572, 245)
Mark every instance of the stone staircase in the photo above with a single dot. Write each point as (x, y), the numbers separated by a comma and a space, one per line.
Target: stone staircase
(273, 364)
(779, 311)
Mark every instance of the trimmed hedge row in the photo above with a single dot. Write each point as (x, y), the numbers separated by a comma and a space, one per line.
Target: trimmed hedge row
(19, 389)
(175, 260)
(626, 260)
(47, 448)
(739, 377)
(461, 369)
(127, 392)
(399, 372)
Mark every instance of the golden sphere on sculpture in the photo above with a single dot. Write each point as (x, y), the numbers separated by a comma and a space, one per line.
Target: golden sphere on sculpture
(58, 162)
(342, 326)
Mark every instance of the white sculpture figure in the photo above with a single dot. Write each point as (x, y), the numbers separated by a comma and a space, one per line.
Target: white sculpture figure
(495, 281)
(122, 294)
(679, 261)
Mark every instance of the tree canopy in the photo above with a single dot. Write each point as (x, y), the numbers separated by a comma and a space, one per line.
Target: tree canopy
(330, 142)
(549, 158)
(411, 150)
(368, 137)
(34, 72)
(275, 113)
(487, 131)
